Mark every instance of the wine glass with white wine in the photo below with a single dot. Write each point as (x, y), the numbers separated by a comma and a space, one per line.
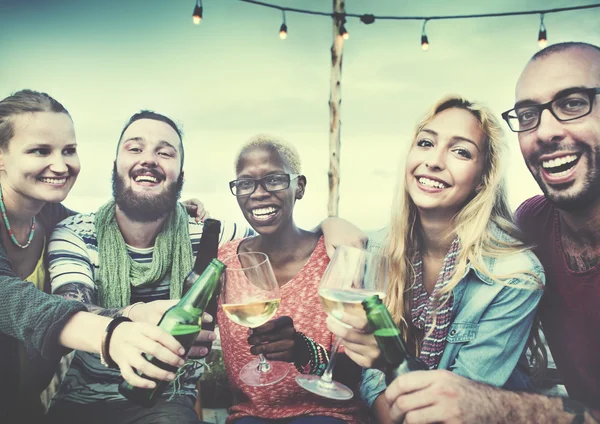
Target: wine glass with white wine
(351, 276)
(250, 297)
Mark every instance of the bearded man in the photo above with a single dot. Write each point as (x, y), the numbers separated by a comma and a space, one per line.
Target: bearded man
(128, 259)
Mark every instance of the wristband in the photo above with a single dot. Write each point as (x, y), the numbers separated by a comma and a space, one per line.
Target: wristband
(105, 358)
(317, 357)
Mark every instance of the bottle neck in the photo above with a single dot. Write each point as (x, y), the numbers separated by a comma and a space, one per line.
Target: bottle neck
(201, 290)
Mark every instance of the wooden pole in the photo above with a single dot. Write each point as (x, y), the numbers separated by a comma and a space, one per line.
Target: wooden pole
(335, 101)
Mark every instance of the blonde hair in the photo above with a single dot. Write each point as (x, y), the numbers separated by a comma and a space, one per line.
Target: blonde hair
(472, 224)
(286, 151)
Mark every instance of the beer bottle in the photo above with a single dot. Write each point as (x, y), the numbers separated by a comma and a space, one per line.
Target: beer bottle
(182, 321)
(393, 348)
(208, 250)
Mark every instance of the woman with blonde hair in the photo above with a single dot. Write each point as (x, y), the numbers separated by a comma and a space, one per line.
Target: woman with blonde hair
(38, 167)
(463, 288)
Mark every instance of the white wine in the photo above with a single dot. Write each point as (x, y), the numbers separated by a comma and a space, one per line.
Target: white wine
(345, 300)
(252, 314)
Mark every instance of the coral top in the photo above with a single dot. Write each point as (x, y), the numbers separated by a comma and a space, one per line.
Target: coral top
(285, 399)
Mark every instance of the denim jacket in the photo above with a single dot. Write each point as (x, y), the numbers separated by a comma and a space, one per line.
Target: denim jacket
(490, 322)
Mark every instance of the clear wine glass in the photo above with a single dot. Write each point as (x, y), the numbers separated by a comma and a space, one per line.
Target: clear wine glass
(250, 297)
(351, 276)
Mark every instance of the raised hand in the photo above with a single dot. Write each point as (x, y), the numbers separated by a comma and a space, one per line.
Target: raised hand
(358, 341)
(131, 339)
(275, 339)
(195, 208)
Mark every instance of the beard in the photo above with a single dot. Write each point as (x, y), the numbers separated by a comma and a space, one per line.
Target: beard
(142, 208)
(582, 199)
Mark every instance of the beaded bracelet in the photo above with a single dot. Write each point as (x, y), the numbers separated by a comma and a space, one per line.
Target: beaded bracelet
(317, 357)
(105, 358)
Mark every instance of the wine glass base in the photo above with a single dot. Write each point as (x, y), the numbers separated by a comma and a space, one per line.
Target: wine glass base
(250, 375)
(332, 390)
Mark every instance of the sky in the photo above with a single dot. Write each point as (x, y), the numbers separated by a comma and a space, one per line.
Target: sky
(232, 77)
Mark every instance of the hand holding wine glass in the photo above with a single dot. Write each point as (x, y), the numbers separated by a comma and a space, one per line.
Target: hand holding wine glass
(352, 275)
(250, 297)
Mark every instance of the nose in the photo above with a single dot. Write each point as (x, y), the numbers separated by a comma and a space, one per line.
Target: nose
(260, 192)
(435, 159)
(149, 158)
(550, 129)
(58, 164)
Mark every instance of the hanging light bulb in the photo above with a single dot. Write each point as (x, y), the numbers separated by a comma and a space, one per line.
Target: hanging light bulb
(343, 32)
(542, 36)
(283, 28)
(197, 16)
(424, 40)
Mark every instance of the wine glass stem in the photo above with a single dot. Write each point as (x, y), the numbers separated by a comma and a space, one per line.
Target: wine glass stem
(328, 374)
(263, 365)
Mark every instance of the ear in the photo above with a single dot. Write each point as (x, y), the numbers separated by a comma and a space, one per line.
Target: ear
(1, 160)
(300, 187)
(479, 188)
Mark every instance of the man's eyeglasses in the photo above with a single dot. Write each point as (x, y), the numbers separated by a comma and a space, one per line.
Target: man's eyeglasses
(271, 183)
(565, 107)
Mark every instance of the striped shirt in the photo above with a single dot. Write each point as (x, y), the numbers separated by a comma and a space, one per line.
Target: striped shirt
(73, 258)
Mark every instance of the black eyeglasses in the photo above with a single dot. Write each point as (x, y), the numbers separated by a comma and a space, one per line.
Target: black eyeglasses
(271, 183)
(572, 105)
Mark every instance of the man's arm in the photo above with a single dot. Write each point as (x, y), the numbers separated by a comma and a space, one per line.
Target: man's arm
(442, 396)
(72, 271)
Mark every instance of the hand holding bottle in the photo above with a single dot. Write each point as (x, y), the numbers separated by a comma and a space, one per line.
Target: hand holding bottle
(357, 338)
(130, 340)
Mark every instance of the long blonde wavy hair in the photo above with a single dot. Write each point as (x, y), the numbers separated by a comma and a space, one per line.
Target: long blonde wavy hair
(472, 224)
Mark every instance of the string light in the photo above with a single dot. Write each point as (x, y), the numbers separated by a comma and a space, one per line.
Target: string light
(283, 28)
(542, 36)
(369, 18)
(424, 40)
(197, 16)
(344, 32)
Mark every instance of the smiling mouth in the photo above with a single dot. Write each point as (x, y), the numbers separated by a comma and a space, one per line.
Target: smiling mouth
(53, 181)
(431, 183)
(560, 166)
(263, 214)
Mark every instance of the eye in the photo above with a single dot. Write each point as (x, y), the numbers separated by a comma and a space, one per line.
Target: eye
(166, 154)
(40, 151)
(527, 115)
(70, 151)
(424, 142)
(134, 150)
(463, 152)
(573, 103)
(245, 184)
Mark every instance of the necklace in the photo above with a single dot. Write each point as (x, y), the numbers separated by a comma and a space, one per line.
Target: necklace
(9, 230)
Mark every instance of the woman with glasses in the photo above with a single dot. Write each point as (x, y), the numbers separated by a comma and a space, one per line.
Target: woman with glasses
(267, 186)
(463, 288)
(38, 167)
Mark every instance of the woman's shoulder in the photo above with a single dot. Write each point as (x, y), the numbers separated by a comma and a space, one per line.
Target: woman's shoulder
(512, 261)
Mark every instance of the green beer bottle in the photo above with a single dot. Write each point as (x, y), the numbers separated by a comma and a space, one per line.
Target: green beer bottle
(182, 321)
(393, 349)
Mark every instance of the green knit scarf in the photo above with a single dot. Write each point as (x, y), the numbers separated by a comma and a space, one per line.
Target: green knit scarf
(118, 272)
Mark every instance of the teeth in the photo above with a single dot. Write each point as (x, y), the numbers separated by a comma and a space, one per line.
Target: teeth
(553, 163)
(263, 211)
(146, 178)
(53, 180)
(431, 183)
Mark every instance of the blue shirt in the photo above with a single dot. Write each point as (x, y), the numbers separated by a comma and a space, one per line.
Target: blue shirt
(490, 321)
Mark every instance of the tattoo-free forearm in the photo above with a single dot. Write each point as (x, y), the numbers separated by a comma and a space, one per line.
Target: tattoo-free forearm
(88, 296)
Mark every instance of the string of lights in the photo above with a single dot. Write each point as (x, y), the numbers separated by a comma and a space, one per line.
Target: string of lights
(368, 18)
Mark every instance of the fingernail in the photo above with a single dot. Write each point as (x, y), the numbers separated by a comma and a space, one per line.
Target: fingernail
(212, 336)
(249, 331)
(151, 385)
(181, 351)
(337, 314)
(171, 376)
(180, 362)
(203, 351)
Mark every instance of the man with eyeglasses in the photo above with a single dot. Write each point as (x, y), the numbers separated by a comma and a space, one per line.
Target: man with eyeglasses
(557, 118)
